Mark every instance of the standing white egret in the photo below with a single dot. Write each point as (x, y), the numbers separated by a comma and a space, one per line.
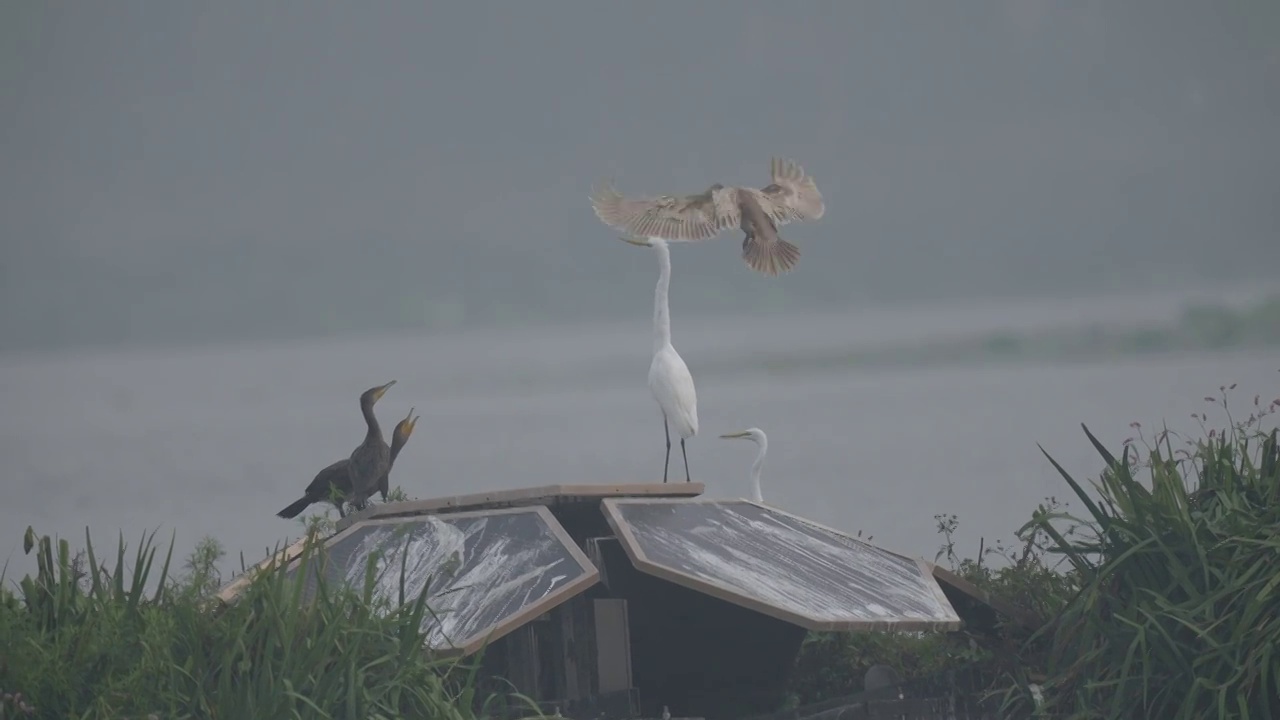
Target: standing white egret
(791, 195)
(757, 436)
(669, 378)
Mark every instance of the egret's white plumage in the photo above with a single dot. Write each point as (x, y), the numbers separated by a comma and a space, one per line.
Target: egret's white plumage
(757, 436)
(669, 378)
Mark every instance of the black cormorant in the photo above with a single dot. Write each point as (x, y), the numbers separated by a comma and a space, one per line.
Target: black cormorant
(372, 458)
(338, 475)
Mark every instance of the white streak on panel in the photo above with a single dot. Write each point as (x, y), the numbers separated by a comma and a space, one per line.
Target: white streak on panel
(497, 575)
(785, 563)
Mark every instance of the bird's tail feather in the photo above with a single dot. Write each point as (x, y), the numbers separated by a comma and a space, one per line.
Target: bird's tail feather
(770, 256)
(297, 507)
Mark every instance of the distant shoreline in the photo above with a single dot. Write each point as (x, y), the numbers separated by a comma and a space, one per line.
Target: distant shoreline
(1199, 327)
(1012, 315)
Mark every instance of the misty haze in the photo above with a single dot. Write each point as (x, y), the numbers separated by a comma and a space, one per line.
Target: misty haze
(223, 221)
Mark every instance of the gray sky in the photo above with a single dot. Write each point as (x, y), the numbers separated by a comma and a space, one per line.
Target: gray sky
(236, 168)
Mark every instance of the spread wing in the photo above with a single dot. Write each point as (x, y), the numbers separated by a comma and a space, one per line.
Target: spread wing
(792, 195)
(671, 217)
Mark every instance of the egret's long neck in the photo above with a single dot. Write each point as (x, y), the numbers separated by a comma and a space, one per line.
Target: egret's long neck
(661, 313)
(755, 472)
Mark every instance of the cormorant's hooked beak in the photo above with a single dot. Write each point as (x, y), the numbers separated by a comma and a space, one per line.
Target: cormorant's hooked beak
(739, 434)
(383, 390)
(409, 421)
(642, 242)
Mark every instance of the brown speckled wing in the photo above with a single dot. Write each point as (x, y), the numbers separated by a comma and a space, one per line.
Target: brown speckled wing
(792, 195)
(671, 217)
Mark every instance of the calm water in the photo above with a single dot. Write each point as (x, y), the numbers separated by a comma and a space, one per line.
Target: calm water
(215, 441)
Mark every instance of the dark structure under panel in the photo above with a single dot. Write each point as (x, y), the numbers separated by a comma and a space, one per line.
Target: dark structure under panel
(490, 571)
(634, 643)
(779, 564)
(695, 653)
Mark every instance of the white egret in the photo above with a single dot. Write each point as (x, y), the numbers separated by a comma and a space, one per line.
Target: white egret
(669, 378)
(791, 196)
(757, 436)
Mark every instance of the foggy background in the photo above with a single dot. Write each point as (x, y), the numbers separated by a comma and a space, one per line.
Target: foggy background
(231, 170)
(222, 221)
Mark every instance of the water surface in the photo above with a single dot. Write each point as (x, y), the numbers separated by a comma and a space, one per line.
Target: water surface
(213, 441)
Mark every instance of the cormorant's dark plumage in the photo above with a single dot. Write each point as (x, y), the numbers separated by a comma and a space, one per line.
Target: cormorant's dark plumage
(338, 476)
(372, 458)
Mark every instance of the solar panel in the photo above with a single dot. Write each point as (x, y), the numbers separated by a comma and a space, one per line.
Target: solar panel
(490, 571)
(779, 564)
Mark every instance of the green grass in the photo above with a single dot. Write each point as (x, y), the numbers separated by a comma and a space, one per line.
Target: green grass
(1162, 597)
(1178, 614)
(88, 638)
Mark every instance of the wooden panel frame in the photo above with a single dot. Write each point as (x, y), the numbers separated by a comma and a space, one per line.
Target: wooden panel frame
(230, 592)
(1028, 619)
(522, 497)
(612, 513)
(469, 645)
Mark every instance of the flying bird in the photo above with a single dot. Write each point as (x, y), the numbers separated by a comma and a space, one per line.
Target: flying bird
(669, 378)
(790, 196)
(757, 436)
(334, 482)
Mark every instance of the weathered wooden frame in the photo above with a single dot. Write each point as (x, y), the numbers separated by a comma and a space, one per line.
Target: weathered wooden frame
(549, 495)
(1028, 619)
(463, 646)
(467, 646)
(280, 559)
(609, 506)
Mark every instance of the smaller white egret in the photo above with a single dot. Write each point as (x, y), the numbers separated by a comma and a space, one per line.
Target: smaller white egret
(757, 436)
(669, 378)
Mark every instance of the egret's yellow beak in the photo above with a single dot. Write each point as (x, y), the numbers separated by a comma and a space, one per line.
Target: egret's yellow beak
(739, 434)
(642, 242)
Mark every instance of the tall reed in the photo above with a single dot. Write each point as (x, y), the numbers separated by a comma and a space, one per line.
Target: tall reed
(85, 639)
(1178, 612)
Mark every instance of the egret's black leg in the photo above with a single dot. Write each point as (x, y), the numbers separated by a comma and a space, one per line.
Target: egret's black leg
(666, 429)
(686, 461)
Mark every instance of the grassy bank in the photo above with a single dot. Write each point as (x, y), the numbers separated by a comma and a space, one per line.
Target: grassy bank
(1161, 593)
(92, 637)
